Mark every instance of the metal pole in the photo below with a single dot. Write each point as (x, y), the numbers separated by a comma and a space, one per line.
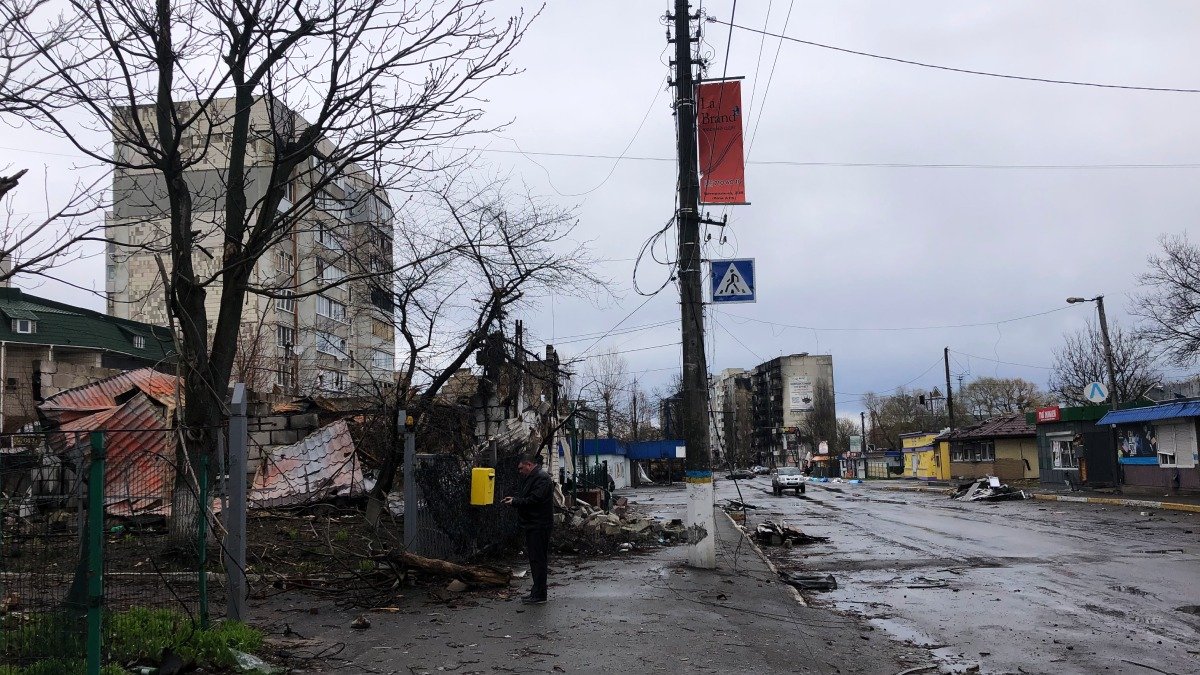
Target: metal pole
(235, 523)
(1108, 353)
(410, 483)
(202, 541)
(697, 462)
(95, 553)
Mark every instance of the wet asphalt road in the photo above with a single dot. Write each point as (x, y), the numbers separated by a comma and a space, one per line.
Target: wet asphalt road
(1014, 587)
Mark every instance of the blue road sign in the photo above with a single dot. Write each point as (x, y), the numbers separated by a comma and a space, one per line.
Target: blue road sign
(732, 280)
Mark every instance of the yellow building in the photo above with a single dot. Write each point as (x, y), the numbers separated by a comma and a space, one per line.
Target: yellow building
(925, 457)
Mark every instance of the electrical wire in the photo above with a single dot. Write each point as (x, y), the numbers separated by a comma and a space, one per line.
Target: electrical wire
(864, 165)
(966, 71)
(770, 77)
(1007, 363)
(896, 328)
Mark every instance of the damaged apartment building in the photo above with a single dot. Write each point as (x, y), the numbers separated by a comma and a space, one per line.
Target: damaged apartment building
(336, 342)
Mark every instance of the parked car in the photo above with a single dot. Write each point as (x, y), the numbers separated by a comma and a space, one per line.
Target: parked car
(740, 474)
(760, 470)
(787, 478)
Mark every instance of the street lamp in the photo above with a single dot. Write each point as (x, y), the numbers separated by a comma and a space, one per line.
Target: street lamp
(1108, 353)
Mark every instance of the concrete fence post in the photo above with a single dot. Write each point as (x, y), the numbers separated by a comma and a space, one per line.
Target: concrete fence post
(235, 523)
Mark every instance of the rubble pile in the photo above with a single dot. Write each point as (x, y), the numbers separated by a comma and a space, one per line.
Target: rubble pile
(988, 489)
(779, 534)
(587, 530)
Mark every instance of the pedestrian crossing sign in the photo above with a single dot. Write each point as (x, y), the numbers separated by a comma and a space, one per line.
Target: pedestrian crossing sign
(732, 280)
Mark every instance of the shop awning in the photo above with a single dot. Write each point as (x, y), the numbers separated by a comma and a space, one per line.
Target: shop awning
(1164, 411)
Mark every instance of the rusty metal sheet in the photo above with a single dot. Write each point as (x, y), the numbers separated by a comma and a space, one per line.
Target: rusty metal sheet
(103, 394)
(321, 466)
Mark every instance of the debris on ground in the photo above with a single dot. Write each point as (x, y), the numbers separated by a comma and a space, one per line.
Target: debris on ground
(738, 505)
(988, 489)
(585, 529)
(478, 575)
(780, 534)
(808, 582)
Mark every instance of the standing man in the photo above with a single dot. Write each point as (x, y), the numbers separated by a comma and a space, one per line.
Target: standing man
(534, 502)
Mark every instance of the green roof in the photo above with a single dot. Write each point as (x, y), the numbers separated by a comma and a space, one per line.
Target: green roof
(63, 325)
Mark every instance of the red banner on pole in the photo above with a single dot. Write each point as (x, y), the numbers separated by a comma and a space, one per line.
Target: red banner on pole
(719, 127)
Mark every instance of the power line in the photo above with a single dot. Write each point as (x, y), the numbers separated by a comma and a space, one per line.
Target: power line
(855, 165)
(770, 77)
(625, 351)
(1007, 363)
(897, 328)
(966, 71)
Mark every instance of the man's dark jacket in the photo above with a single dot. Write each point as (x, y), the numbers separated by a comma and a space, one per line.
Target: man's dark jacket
(534, 500)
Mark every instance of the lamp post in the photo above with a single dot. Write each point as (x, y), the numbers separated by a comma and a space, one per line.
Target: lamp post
(1108, 352)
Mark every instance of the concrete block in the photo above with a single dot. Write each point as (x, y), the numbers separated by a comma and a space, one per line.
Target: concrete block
(305, 421)
(284, 437)
(272, 423)
(260, 438)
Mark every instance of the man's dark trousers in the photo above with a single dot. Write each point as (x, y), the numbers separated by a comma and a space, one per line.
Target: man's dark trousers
(537, 547)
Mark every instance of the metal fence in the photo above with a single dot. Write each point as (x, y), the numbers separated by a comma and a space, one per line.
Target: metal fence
(439, 520)
(94, 523)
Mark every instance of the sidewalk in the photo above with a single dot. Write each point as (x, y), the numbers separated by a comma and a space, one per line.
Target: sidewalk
(1169, 503)
(642, 612)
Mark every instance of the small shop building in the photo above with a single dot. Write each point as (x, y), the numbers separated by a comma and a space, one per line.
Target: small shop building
(1072, 448)
(923, 457)
(1157, 448)
(1005, 447)
(612, 454)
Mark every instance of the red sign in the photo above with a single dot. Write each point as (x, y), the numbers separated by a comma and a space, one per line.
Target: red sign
(1051, 414)
(719, 127)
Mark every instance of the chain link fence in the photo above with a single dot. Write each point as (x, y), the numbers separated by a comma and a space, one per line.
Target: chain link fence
(445, 524)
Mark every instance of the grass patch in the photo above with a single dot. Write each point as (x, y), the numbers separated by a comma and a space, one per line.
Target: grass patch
(138, 635)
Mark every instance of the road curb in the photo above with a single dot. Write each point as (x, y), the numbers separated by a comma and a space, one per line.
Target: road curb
(1113, 501)
(770, 565)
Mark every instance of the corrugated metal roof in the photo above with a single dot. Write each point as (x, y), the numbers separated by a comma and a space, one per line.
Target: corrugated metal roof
(139, 472)
(322, 465)
(1164, 411)
(103, 394)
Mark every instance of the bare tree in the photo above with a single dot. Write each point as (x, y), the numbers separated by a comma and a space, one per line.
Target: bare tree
(986, 397)
(1080, 361)
(482, 254)
(641, 415)
(289, 101)
(1171, 307)
(821, 423)
(608, 379)
(900, 413)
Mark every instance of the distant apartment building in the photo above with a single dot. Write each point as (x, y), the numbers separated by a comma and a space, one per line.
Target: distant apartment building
(784, 394)
(731, 424)
(337, 341)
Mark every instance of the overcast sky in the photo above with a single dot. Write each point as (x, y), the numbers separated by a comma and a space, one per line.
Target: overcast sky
(853, 247)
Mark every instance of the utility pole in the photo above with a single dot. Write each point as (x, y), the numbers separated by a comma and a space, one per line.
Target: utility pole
(635, 411)
(698, 465)
(949, 393)
(1108, 354)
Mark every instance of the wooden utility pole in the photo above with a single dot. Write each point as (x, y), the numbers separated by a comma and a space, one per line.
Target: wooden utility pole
(698, 463)
(949, 393)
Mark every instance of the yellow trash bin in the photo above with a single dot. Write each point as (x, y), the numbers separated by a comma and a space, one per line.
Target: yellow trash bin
(483, 486)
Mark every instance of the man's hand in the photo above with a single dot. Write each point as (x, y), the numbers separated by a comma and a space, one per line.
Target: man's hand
(506, 500)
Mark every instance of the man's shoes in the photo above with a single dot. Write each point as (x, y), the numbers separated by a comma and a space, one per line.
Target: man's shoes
(531, 600)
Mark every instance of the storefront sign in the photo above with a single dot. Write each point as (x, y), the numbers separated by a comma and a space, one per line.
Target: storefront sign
(1050, 414)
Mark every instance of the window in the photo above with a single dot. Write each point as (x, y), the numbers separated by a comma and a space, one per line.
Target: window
(382, 299)
(330, 308)
(284, 377)
(383, 330)
(285, 263)
(285, 336)
(331, 380)
(286, 304)
(24, 326)
(1062, 451)
(327, 235)
(328, 203)
(139, 342)
(329, 273)
(1176, 444)
(381, 360)
(328, 343)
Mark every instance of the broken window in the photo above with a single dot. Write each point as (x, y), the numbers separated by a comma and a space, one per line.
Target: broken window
(1062, 451)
